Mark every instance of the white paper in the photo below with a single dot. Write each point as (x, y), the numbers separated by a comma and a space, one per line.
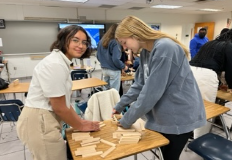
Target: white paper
(1, 42)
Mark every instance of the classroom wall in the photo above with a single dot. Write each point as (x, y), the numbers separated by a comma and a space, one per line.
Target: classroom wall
(220, 21)
(21, 38)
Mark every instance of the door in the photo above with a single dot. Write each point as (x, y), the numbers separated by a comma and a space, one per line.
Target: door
(209, 26)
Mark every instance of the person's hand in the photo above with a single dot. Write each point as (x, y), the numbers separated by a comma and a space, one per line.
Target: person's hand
(119, 124)
(123, 73)
(223, 87)
(229, 90)
(90, 126)
(126, 68)
(128, 52)
(114, 112)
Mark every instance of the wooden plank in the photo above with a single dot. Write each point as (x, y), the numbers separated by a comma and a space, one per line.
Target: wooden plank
(108, 152)
(115, 119)
(79, 134)
(92, 154)
(90, 150)
(120, 129)
(102, 125)
(107, 142)
(129, 138)
(87, 147)
(114, 122)
(90, 140)
(127, 142)
(89, 144)
(121, 150)
(81, 138)
(131, 134)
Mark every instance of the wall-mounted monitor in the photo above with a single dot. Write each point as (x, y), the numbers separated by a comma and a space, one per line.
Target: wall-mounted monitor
(95, 31)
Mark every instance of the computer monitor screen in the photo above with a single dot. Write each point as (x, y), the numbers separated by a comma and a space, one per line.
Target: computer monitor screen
(95, 31)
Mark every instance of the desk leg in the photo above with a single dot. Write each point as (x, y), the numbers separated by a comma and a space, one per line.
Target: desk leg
(14, 94)
(135, 157)
(225, 127)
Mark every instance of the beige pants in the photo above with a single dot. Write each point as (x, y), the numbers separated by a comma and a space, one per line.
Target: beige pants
(40, 131)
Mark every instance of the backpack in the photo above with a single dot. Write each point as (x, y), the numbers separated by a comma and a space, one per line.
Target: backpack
(3, 84)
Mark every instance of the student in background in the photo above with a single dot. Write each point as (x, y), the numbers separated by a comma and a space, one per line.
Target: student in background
(48, 100)
(136, 60)
(222, 82)
(198, 40)
(164, 90)
(212, 59)
(123, 58)
(109, 54)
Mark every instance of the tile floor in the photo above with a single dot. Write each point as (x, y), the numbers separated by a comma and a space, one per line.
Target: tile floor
(12, 149)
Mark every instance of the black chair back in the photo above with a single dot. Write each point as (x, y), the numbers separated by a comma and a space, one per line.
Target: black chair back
(10, 109)
(79, 74)
(9, 112)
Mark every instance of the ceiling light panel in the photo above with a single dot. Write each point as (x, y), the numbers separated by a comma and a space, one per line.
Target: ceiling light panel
(166, 6)
(210, 10)
(77, 1)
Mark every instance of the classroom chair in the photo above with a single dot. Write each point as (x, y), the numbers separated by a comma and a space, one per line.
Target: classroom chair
(78, 75)
(10, 111)
(100, 105)
(212, 147)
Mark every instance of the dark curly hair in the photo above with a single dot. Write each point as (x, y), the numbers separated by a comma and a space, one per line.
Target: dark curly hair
(64, 37)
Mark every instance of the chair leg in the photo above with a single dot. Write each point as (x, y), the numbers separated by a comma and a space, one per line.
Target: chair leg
(24, 152)
(160, 156)
(225, 128)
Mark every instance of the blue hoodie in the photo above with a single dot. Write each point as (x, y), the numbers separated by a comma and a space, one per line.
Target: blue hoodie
(196, 43)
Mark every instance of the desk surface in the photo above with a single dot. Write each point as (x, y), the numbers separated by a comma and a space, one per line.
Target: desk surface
(214, 110)
(224, 95)
(20, 88)
(81, 67)
(78, 84)
(150, 140)
(87, 83)
(127, 78)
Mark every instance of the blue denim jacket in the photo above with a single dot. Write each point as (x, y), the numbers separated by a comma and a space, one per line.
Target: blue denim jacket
(110, 57)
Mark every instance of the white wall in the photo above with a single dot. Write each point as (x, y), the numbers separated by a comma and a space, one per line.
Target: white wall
(20, 66)
(219, 19)
(176, 25)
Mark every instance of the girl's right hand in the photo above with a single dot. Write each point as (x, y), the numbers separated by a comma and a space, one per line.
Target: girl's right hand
(90, 126)
(114, 112)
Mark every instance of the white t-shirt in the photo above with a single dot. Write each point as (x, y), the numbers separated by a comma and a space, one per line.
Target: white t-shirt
(51, 78)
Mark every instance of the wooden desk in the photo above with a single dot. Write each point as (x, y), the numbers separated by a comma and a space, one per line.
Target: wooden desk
(127, 78)
(150, 140)
(20, 88)
(224, 95)
(78, 84)
(81, 67)
(213, 110)
(87, 83)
